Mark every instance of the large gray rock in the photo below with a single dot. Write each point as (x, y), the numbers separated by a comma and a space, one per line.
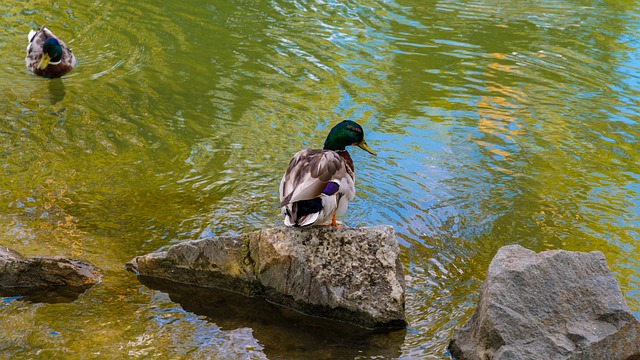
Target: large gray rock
(552, 305)
(349, 274)
(44, 271)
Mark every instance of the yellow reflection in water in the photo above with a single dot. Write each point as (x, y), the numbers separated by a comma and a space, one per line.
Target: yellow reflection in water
(499, 111)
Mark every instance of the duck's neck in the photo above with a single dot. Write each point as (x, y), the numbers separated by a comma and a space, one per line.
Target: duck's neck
(334, 143)
(56, 56)
(344, 154)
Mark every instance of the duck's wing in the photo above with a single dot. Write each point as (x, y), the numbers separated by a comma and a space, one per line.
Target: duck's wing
(34, 49)
(68, 59)
(308, 173)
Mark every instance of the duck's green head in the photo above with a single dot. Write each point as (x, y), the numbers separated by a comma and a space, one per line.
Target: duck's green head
(344, 134)
(51, 52)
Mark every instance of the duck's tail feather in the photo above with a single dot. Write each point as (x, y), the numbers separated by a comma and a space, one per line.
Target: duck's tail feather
(302, 213)
(32, 33)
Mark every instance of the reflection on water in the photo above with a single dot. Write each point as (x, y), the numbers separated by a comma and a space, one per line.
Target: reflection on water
(283, 333)
(49, 295)
(495, 123)
(56, 91)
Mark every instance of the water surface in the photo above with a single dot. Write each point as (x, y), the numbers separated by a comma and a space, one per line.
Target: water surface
(495, 123)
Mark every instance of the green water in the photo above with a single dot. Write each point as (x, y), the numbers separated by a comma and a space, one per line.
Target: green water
(494, 122)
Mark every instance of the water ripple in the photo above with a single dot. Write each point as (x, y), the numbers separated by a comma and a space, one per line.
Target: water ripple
(494, 123)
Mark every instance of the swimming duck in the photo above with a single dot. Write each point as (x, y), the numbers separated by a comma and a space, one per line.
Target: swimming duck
(319, 184)
(48, 56)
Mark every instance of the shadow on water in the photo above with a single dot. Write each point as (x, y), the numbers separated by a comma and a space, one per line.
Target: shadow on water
(54, 92)
(47, 295)
(284, 333)
(57, 91)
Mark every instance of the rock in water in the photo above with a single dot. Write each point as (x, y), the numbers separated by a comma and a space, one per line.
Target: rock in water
(44, 271)
(350, 274)
(553, 305)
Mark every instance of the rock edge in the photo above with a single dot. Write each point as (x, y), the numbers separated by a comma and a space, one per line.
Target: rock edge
(44, 271)
(349, 274)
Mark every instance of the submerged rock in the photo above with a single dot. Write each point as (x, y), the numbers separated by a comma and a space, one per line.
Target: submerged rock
(553, 305)
(350, 274)
(35, 276)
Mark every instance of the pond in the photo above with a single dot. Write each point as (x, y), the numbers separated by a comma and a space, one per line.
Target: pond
(495, 123)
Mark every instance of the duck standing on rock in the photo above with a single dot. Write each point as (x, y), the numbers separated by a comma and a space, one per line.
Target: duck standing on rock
(48, 56)
(319, 184)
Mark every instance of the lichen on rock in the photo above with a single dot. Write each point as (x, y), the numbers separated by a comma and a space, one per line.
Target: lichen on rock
(350, 274)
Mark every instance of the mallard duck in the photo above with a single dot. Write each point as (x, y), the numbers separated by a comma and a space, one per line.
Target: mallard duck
(47, 55)
(319, 184)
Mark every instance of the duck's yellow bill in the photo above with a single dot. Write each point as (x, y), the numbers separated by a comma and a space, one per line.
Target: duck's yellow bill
(363, 145)
(44, 62)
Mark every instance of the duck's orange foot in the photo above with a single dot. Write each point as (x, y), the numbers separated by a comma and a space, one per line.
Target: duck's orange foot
(334, 223)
